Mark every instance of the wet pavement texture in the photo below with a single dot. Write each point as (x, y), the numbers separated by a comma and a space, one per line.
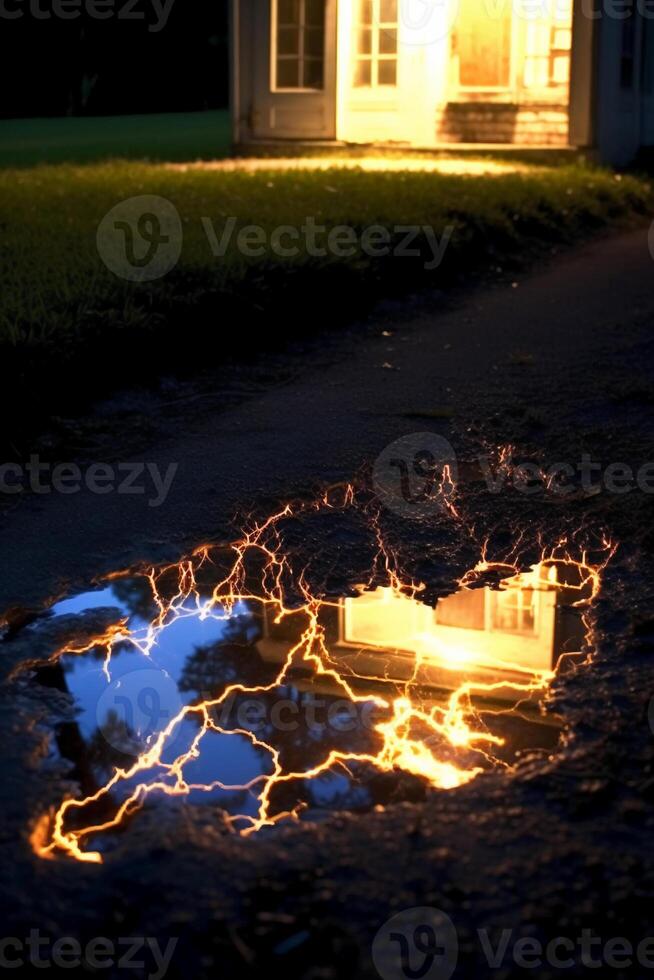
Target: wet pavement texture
(555, 846)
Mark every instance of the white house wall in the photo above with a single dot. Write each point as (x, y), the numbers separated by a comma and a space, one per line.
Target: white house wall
(647, 109)
(424, 111)
(426, 108)
(618, 110)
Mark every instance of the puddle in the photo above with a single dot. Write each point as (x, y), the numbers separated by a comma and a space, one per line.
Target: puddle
(265, 712)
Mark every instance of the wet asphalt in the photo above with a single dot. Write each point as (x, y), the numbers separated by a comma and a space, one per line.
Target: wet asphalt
(558, 363)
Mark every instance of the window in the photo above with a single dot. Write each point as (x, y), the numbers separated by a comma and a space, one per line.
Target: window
(300, 44)
(514, 609)
(483, 43)
(376, 44)
(560, 54)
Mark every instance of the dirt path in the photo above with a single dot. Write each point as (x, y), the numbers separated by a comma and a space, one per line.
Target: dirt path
(535, 354)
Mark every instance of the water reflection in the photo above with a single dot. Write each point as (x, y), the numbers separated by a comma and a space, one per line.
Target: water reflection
(375, 640)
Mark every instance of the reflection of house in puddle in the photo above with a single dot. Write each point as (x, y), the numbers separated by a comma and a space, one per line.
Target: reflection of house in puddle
(484, 636)
(509, 639)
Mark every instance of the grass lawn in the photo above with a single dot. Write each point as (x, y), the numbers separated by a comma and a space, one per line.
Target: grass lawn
(173, 136)
(70, 327)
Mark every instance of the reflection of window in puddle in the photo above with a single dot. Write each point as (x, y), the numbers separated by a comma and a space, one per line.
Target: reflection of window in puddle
(497, 641)
(514, 610)
(478, 636)
(523, 627)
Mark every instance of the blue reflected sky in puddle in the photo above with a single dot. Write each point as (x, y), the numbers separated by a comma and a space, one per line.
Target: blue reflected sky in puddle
(195, 659)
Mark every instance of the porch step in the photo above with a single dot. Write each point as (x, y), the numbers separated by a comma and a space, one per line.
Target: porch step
(545, 153)
(502, 122)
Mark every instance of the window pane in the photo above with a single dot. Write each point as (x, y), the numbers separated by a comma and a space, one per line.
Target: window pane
(288, 12)
(288, 40)
(313, 73)
(560, 71)
(365, 41)
(484, 44)
(363, 74)
(388, 11)
(387, 41)
(314, 40)
(288, 73)
(365, 11)
(387, 72)
(315, 13)
(562, 39)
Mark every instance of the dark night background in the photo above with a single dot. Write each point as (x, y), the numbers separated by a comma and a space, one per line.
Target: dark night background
(90, 67)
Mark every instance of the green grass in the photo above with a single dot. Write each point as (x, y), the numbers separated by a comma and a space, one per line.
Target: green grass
(63, 313)
(169, 137)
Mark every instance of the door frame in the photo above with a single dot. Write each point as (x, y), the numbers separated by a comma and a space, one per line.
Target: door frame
(584, 59)
(298, 103)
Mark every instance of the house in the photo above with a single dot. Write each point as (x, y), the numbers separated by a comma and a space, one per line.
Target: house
(539, 74)
(484, 636)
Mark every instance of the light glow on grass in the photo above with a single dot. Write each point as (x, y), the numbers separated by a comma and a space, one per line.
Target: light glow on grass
(471, 166)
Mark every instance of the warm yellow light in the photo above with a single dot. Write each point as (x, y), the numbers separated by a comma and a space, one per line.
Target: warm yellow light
(508, 630)
(418, 736)
(473, 166)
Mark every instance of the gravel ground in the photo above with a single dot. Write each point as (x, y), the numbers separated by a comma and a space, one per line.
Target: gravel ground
(558, 365)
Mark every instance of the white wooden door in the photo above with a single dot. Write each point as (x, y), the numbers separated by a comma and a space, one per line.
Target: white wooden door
(392, 63)
(295, 70)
